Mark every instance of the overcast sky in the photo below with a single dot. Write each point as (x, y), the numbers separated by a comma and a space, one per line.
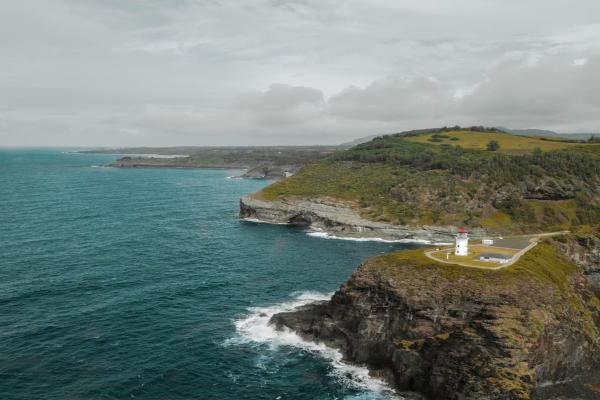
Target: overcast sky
(212, 72)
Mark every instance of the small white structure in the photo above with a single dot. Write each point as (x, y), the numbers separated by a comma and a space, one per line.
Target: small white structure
(487, 242)
(494, 257)
(462, 243)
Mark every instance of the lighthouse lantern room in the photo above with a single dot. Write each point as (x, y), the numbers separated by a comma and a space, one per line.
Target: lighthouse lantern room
(462, 243)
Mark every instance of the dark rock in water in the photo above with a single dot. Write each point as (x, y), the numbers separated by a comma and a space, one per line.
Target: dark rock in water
(450, 332)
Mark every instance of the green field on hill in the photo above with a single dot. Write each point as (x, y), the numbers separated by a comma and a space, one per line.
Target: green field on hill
(478, 141)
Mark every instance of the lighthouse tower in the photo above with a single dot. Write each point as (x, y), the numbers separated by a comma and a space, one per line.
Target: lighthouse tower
(462, 243)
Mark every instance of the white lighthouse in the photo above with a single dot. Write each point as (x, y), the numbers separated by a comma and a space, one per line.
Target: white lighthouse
(462, 243)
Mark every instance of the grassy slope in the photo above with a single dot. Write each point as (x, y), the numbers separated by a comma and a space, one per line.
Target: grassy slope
(508, 143)
(411, 180)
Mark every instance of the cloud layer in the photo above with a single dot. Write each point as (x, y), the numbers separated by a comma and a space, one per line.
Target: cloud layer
(85, 72)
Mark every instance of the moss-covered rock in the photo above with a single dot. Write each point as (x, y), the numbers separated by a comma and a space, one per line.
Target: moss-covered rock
(455, 332)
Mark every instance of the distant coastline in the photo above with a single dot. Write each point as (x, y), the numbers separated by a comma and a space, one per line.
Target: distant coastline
(261, 162)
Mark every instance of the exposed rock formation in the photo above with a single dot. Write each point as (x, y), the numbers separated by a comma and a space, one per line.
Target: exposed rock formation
(338, 219)
(459, 333)
(583, 249)
(270, 171)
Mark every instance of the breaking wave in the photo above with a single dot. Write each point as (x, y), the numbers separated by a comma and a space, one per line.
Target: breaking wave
(260, 221)
(325, 235)
(255, 328)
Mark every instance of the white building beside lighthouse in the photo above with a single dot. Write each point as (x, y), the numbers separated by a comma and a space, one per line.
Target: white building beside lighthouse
(462, 243)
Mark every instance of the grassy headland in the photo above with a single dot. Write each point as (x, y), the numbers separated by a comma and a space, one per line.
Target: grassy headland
(451, 331)
(449, 177)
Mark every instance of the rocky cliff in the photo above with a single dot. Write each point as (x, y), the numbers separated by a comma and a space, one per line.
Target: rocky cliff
(583, 249)
(339, 219)
(451, 332)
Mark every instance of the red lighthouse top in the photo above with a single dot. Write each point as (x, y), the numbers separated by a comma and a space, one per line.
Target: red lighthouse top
(461, 230)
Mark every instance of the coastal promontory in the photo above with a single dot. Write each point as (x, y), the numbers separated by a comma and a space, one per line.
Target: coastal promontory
(530, 329)
(453, 332)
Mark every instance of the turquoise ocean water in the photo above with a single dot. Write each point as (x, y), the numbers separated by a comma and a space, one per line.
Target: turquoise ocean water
(143, 283)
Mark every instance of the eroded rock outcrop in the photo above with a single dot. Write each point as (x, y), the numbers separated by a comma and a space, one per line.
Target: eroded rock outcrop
(459, 333)
(583, 249)
(339, 219)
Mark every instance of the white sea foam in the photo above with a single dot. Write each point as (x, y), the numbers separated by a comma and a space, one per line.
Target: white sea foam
(150, 155)
(325, 235)
(255, 328)
(315, 232)
(260, 221)
(141, 155)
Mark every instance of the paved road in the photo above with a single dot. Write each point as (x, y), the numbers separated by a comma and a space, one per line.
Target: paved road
(534, 239)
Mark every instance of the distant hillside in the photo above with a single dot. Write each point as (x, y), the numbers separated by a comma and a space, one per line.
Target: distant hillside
(547, 133)
(522, 132)
(260, 161)
(358, 141)
(448, 177)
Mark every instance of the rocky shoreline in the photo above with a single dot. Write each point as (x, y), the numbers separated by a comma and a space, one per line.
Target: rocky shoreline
(254, 172)
(259, 162)
(455, 333)
(340, 220)
(462, 333)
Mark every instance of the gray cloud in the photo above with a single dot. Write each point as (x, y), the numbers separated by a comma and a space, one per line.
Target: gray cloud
(281, 104)
(393, 100)
(556, 91)
(90, 72)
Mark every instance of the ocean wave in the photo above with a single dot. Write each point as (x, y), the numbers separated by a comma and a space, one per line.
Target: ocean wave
(315, 232)
(260, 221)
(325, 235)
(255, 328)
(152, 155)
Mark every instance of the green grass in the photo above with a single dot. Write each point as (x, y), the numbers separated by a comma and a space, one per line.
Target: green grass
(344, 181)
(475, 250)
(508, 143)
(207, 161)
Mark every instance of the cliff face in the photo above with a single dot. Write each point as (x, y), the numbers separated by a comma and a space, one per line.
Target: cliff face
(339, 219)
(457, 333)
(583, 249)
